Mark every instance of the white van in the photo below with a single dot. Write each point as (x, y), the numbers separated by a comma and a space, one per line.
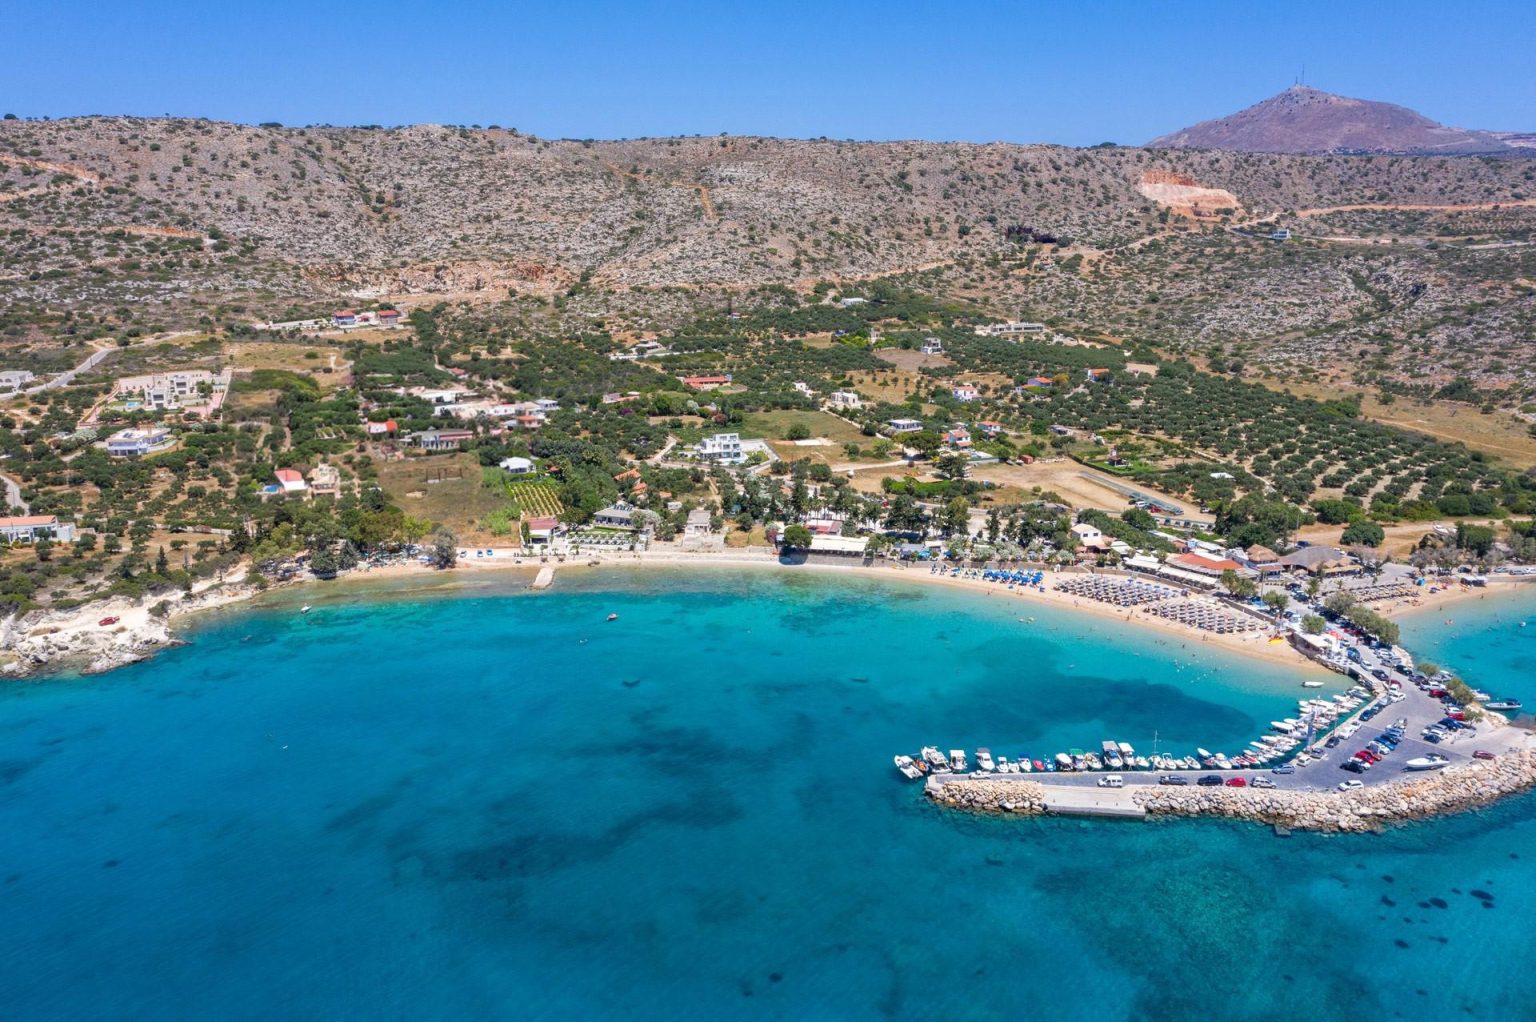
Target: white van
(1111, 781)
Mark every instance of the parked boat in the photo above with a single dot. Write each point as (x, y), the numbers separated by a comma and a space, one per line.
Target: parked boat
(984, 759)
(957, 760)
(1126, 752)
(1064, 762)
(1311, 684)
(908, 769)
(935, 758)
(1112, 756)
(1503, 704)
(1433, 761)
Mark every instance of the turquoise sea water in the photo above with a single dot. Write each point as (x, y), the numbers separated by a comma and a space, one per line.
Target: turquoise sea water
(482, 804)
(1491, 640)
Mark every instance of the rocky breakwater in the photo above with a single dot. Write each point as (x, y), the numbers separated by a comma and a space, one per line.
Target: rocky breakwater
(981, 795)
(1364, 809)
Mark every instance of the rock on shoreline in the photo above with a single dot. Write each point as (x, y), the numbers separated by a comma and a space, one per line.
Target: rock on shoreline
(1457, 789)
(47, 640)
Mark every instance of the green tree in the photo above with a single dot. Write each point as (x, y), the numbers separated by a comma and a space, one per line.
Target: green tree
(1363, 532)
(43, 548)
(795, 537)
(797, 432)
(1276, 601)
(445, 549)
(952, 465)
(1313, 624)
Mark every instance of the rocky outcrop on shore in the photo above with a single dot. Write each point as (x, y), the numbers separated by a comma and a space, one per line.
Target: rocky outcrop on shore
(46, 640)
(1468, 786)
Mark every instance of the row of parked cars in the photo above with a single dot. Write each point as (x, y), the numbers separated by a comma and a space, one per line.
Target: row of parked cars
(1377, 750)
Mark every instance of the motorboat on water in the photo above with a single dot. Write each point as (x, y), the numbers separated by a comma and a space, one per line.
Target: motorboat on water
(935, 758)
(1064, 762)
(1503, 704)
(957, 760)
(1024, 765)
(1311, 684)
(908, 768)
(984, 759)
(1112, 758)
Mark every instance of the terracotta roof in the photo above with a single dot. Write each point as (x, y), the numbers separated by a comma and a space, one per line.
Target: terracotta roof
(1209, 565)
(28, 520)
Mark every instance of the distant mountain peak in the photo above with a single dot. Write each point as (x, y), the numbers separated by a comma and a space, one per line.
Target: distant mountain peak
(1302, 119)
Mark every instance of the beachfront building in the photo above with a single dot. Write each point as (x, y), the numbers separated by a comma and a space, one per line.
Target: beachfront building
(516, 466)
(722, 448)
(1262, 560)
(325, 480)
(15, 379)
(544, 530)
(698, 523)
(905, 425)
(31, 528)
(618, 515)
(845, 400)
(841, 546)
(1319, 560)
(135, 443)
(1089, 536)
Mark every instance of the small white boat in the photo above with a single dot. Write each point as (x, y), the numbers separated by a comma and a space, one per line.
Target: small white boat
(934, 757)
(1429, 762)
(304, 609)
(984, 760)
(1063, 761)
(957, 760)
(613, 617)
(1025, 765)
(1311, 684)
(908, 769)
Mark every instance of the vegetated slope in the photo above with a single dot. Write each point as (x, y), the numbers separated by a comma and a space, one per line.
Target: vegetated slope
(429, 208)
(1307, 120)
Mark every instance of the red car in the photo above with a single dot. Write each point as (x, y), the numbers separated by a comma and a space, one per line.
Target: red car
(1237, 782)
(1483, 754)
(1367, 756)
(1456, 715)
(104, 622)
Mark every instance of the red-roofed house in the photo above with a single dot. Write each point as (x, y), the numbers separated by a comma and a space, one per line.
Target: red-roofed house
(291, 482)
(706, 382)
(389, 317)
(30, 528)
(543, 530)
(1098, 375)
(346, 317)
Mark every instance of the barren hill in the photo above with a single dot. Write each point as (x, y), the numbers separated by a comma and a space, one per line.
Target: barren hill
(1307, 120)
(433, 209)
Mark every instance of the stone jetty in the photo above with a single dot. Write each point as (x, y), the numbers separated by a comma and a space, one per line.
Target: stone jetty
(1418, 796)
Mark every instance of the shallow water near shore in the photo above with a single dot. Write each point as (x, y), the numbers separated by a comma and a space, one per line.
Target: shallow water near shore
(479, 802)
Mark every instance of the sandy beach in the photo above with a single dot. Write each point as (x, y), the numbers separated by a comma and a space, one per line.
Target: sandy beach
(48, 638)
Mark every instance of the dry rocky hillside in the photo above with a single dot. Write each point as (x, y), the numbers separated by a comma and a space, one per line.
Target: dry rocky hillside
(112, 224)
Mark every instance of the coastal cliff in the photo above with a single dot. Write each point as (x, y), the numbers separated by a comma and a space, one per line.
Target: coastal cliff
(1466, 787)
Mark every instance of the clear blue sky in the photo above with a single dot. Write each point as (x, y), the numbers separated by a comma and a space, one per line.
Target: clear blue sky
(1065, 71)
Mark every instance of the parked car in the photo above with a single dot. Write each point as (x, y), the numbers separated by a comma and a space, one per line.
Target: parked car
(1237, 782)
(104, 622)
(1483, 754)
(1350, 785)
(1261, 782)
(1284, 768)
(1172, 779)
(1209, 780)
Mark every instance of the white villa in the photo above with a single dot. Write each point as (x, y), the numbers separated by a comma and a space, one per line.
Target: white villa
(724, 448)
(31, 528)
(134, 443)
(845, 399)
(171, 391)
(15, 379)
(906, 425)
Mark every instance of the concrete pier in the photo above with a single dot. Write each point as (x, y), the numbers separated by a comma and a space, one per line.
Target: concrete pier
(543, 579)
